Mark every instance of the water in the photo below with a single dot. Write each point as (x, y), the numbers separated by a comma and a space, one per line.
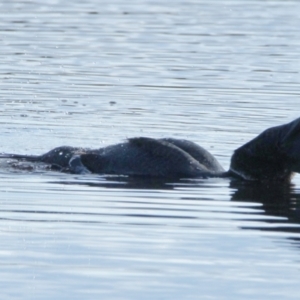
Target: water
(94, 73)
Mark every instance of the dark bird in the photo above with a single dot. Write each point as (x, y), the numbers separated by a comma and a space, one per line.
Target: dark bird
(274, 155)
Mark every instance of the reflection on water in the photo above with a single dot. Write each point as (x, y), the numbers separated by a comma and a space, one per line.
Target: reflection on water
(279, 204)
(116, 235)
(81, 73)
(282, 202)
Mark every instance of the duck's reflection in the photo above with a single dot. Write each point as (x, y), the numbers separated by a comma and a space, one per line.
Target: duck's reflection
(279, 203)
(124, 182)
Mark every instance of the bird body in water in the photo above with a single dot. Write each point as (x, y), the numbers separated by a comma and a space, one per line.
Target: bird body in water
(274, 155)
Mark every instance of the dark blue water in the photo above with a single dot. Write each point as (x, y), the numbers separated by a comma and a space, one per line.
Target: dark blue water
(94, 73)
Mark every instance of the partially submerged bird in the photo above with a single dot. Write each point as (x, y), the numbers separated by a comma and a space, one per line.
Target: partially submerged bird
(274, 155)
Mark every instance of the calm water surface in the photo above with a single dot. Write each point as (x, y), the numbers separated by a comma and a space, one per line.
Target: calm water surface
(94, 73)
